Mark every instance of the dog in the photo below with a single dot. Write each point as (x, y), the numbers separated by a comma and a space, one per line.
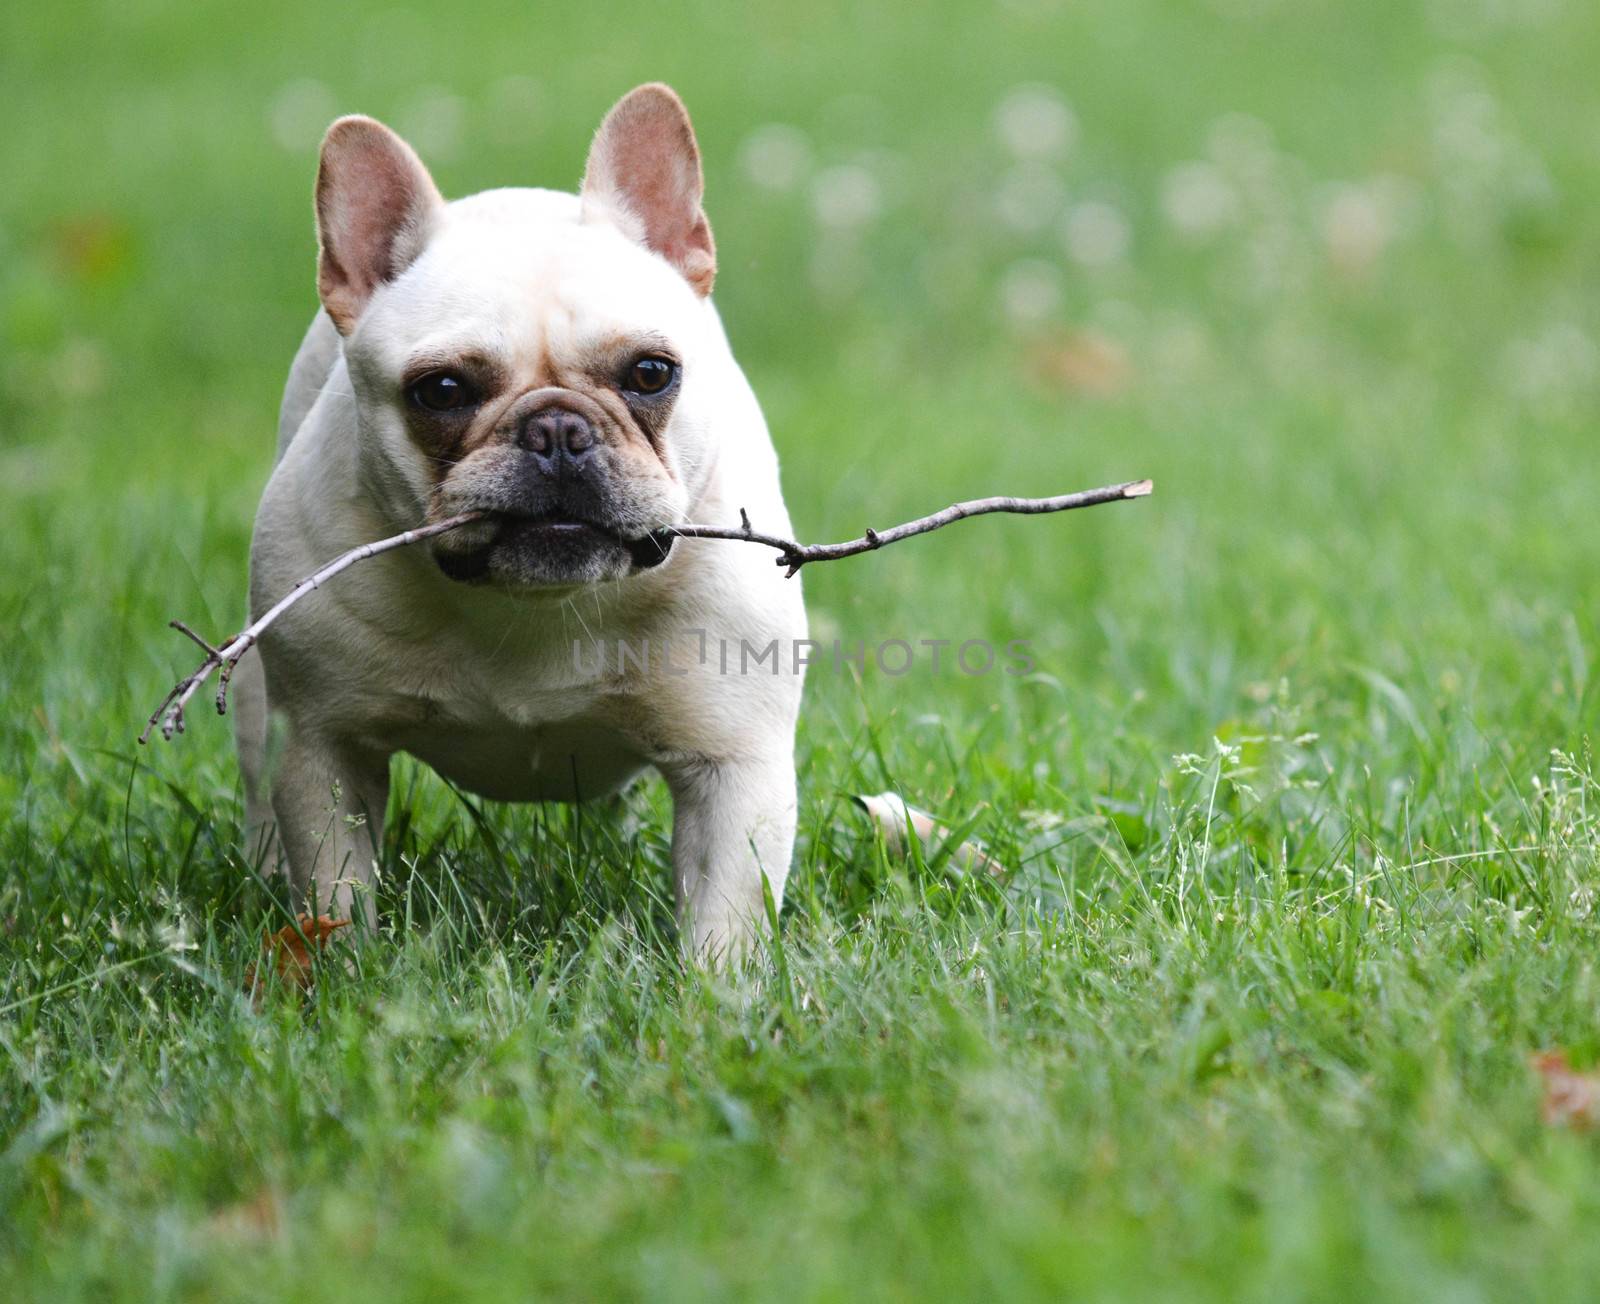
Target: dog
(554, 361)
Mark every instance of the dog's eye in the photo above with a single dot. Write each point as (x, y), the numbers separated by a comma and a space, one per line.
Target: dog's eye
(444, 391)
(649, 376)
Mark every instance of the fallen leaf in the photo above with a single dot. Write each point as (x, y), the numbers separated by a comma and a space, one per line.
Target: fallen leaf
(1571, 1096)
(1080, 362)
(94, 247)
(257, 1219)
(893, 815)
(288, 953)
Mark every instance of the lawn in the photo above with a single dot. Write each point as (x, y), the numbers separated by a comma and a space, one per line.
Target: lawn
(1299, 804)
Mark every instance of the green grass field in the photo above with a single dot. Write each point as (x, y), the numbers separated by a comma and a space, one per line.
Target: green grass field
(1300, 801)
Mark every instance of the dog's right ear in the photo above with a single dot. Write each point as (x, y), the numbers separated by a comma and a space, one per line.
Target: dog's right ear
(376, 207)
(644, 175)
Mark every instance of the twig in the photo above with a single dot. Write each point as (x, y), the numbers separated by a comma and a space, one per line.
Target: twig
(168, 717)
(794, 555)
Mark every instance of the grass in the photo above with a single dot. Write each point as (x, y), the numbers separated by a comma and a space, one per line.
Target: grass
(1300, 798)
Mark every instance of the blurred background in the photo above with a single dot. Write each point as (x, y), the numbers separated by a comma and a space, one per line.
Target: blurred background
(1327, 271)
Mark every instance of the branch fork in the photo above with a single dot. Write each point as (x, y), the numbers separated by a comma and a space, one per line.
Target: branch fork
(168, 717)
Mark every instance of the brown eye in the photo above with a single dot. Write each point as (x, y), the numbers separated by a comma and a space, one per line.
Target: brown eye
(444, 391)
(650, 376)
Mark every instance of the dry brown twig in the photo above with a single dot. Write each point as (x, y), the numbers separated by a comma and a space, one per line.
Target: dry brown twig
(223, 657)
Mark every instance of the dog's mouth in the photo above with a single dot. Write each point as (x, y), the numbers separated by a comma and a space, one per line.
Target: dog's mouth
(561, 544)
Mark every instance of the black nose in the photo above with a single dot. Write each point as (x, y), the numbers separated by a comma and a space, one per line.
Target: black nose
(556, 435)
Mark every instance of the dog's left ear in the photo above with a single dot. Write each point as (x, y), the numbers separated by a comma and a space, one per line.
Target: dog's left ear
(644, 175)
(376, 208)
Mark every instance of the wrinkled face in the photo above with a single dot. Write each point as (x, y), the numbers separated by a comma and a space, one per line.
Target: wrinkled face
(543, 359)
(542, 370)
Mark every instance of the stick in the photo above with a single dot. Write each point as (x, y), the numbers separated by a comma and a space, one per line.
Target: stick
(168, 717)
(794, 555)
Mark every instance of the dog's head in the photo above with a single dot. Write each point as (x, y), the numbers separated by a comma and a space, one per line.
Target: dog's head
(546, 358)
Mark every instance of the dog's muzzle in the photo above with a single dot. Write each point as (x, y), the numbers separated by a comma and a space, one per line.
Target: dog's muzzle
(560, 510)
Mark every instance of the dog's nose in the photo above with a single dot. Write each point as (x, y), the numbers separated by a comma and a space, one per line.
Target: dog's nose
(557, 434)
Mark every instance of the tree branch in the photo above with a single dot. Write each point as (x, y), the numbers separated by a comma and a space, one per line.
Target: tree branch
(794, 555)
(168, 717)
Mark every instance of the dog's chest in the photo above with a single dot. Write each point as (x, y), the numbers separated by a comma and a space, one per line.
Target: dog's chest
(565, 760)
(511, 733)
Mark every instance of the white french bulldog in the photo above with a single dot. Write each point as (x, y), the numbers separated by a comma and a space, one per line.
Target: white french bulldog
(554, 360)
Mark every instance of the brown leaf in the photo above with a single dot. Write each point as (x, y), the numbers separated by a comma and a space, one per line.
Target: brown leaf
(94, 247)
(1571, 1096)
(257, 1219)
(290, 956)
(1080, 362)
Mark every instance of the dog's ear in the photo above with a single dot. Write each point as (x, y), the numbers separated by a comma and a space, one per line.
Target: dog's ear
(644, 175)
(376, 207)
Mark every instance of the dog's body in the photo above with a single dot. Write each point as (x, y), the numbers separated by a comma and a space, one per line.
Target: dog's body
(555, 361)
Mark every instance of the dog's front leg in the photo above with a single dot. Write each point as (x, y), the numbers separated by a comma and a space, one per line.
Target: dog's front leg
(328, 798)
(733, 822)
